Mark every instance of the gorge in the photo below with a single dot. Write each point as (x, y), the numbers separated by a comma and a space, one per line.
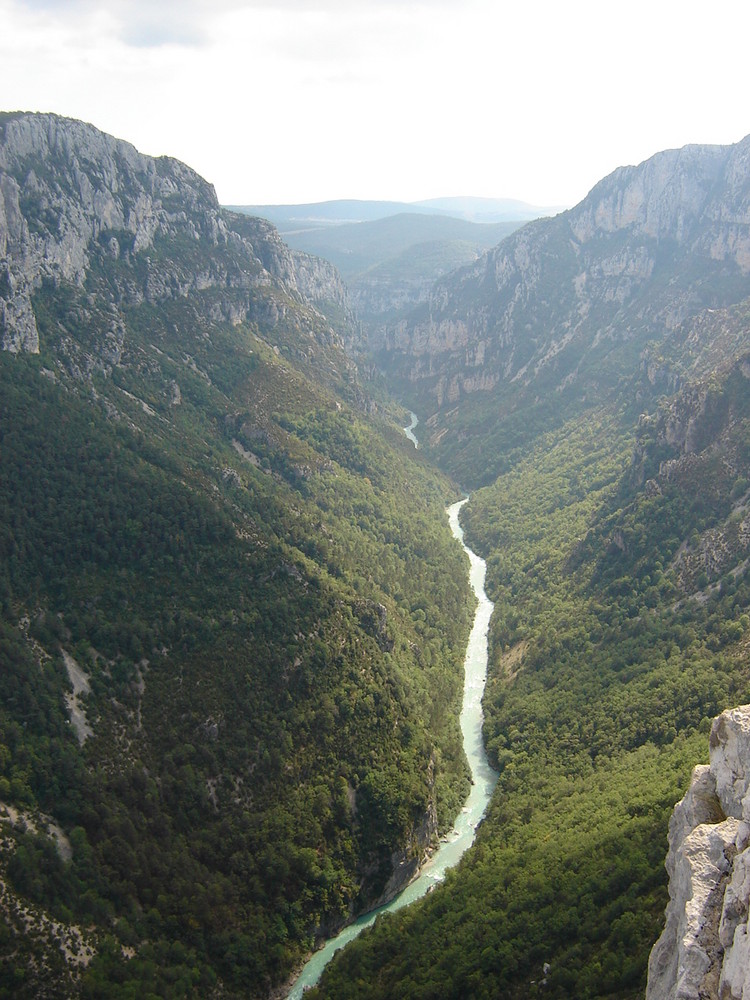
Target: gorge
(256, 577)
(209, 506)
(612, 522)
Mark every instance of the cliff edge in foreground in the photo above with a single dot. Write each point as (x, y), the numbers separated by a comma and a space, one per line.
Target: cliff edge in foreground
(704, 951)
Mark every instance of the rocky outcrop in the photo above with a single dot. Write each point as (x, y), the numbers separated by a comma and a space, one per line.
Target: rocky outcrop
(73, 199)
(384, 877)
(704, 951)
(704, 414)
(407, 861)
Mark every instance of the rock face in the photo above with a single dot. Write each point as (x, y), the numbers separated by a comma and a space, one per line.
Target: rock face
(561, 302)
(72, 198)
(704, 951)
(406, 862)
(697, 417)
(695, 443)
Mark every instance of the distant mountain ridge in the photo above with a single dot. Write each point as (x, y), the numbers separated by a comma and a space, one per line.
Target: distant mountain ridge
(291, 218)
(389, 265)
(357, 248)
(391, 253)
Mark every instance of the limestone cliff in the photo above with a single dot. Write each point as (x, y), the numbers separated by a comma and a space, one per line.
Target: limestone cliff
(563, 303)
(704, 951)
(703, 414)
(73, 198)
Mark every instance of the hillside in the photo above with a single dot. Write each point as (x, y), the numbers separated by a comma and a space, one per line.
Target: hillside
(232, 612)
(232, 615)
(314, 215)
(356, 248)
(618, 566)
(390, 265)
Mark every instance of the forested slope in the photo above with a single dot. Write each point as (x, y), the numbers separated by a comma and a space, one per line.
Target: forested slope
(233, 615)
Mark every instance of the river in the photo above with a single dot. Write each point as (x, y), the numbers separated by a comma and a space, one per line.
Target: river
(409, 431)
(461, 837)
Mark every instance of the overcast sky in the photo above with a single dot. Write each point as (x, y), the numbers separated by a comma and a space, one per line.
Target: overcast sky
(305, 100)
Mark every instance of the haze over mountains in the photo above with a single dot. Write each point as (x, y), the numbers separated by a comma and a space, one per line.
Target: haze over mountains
(233, 616)
(315, 215)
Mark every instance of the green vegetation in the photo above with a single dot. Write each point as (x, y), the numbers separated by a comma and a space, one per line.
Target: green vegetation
(606, 667)
(247, 578)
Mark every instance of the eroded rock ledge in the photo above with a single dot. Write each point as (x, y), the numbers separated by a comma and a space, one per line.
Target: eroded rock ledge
(704, 951)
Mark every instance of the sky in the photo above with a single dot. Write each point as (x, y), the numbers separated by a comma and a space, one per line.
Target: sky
(290, 101)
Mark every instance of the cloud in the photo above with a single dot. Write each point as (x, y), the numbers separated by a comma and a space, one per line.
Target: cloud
(302, 100)
(157, 26)
(145, 24)
(136, 23)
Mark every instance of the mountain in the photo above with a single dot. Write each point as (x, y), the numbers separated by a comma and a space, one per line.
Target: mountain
(391, 264)
(71, 198)
(617, 554)
(232, 616)
(357, 248)
(486, 210)
(323, 214)
(560, 309)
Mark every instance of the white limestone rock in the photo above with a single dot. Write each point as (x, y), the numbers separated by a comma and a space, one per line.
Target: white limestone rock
(704, 950)
(729, 747)
(72, 197)
(685, 957)
(734, 932)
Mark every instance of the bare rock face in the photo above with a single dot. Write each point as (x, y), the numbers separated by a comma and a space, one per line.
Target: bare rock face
(704, 951)
(62, 185)
(647, 249)
(73, 198)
